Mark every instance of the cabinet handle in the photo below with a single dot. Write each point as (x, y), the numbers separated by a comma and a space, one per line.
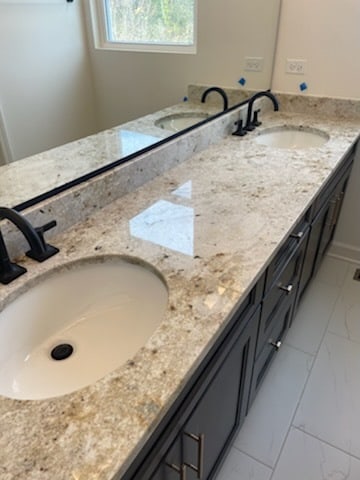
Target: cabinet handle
(288, 289)
(331, 212)
(199, 469)
(276, 345)
(180, 470)
(337, 209)
(297, 236)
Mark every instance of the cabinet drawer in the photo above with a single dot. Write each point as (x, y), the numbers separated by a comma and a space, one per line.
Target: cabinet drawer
(271, 346)
(284, 289)
(287, 250)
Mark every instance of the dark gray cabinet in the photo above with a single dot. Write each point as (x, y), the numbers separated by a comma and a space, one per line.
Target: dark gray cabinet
(294, 266)
(329, 217)
(228, 392)
(221, 408)
(193, 436)
(326, 211)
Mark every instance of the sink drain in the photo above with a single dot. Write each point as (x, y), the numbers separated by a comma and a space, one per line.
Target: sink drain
(62, 351)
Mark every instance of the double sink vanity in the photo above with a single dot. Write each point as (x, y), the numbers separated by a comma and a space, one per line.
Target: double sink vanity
(205, 262)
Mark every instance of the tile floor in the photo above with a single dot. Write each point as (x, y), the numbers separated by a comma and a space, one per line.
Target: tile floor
(305, 422)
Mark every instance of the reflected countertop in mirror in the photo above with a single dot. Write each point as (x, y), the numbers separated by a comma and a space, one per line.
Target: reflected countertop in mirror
(41, 173)
(26, 181)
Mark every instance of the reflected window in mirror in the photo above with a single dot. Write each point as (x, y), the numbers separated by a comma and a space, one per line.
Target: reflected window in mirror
(167, 26)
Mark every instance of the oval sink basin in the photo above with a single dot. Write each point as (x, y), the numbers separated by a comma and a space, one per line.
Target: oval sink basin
(292, 137)
(180, 121)
(77, 325)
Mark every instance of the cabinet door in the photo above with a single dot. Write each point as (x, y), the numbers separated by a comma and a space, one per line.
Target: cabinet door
(215, 418)
(312, 249)
(328, 230)
(221, 409)
(171, 468)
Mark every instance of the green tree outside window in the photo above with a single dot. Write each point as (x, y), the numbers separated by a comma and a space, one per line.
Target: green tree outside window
(151, 21)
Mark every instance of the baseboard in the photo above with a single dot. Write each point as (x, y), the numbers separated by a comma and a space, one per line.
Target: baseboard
(345, 252)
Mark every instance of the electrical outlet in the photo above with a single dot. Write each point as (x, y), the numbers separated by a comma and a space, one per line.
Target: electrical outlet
(254, 64)
(295, 66)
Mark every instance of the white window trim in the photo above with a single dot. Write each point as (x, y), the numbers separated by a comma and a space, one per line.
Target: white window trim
(99, 28)
(30, 2)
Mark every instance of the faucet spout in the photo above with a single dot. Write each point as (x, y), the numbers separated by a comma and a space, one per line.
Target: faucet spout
(257, 95)
(220, 91)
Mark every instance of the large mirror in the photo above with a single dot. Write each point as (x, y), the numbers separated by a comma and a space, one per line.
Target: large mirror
(56, 87)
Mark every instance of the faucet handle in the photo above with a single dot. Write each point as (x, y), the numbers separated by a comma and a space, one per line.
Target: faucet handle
(44, 228)
(256, 121)
(240, 131)
(48, 250)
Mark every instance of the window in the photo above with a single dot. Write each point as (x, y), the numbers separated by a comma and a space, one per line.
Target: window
(146, 25)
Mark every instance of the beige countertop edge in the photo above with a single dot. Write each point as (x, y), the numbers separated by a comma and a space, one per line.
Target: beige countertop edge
(245, 198)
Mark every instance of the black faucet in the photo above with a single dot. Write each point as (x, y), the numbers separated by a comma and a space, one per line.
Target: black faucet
(218, 90)
(249, 124)
(39, 249)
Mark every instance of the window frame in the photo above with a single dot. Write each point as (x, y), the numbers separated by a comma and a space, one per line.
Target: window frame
(99, 23)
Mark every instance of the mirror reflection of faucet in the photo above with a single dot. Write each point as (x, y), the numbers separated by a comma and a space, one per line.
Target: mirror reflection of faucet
(220, 91)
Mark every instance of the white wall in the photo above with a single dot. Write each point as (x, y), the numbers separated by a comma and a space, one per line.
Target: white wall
(326, 34)
(130, 85)
(46, 90)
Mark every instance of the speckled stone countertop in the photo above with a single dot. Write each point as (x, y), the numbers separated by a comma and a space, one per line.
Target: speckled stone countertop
(210, 226)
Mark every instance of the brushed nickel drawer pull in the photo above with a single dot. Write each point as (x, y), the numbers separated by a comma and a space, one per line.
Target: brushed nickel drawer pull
(337, 209)
(288, 289)
(199, 469)
(276, 345)
(180, 470)
(333, 205)
(297, 236)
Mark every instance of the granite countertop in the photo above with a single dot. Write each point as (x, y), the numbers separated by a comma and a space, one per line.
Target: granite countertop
(210, 226)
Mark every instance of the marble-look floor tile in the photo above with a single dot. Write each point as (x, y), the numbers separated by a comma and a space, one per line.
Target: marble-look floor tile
(312, 318)
(332, 271)
(239, 466)
(345, 320)
(269, 419)
(329, 408)
(307, 458)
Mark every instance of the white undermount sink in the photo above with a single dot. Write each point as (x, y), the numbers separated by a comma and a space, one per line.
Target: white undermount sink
(180, 121)
(76, 325)
(292, 137)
